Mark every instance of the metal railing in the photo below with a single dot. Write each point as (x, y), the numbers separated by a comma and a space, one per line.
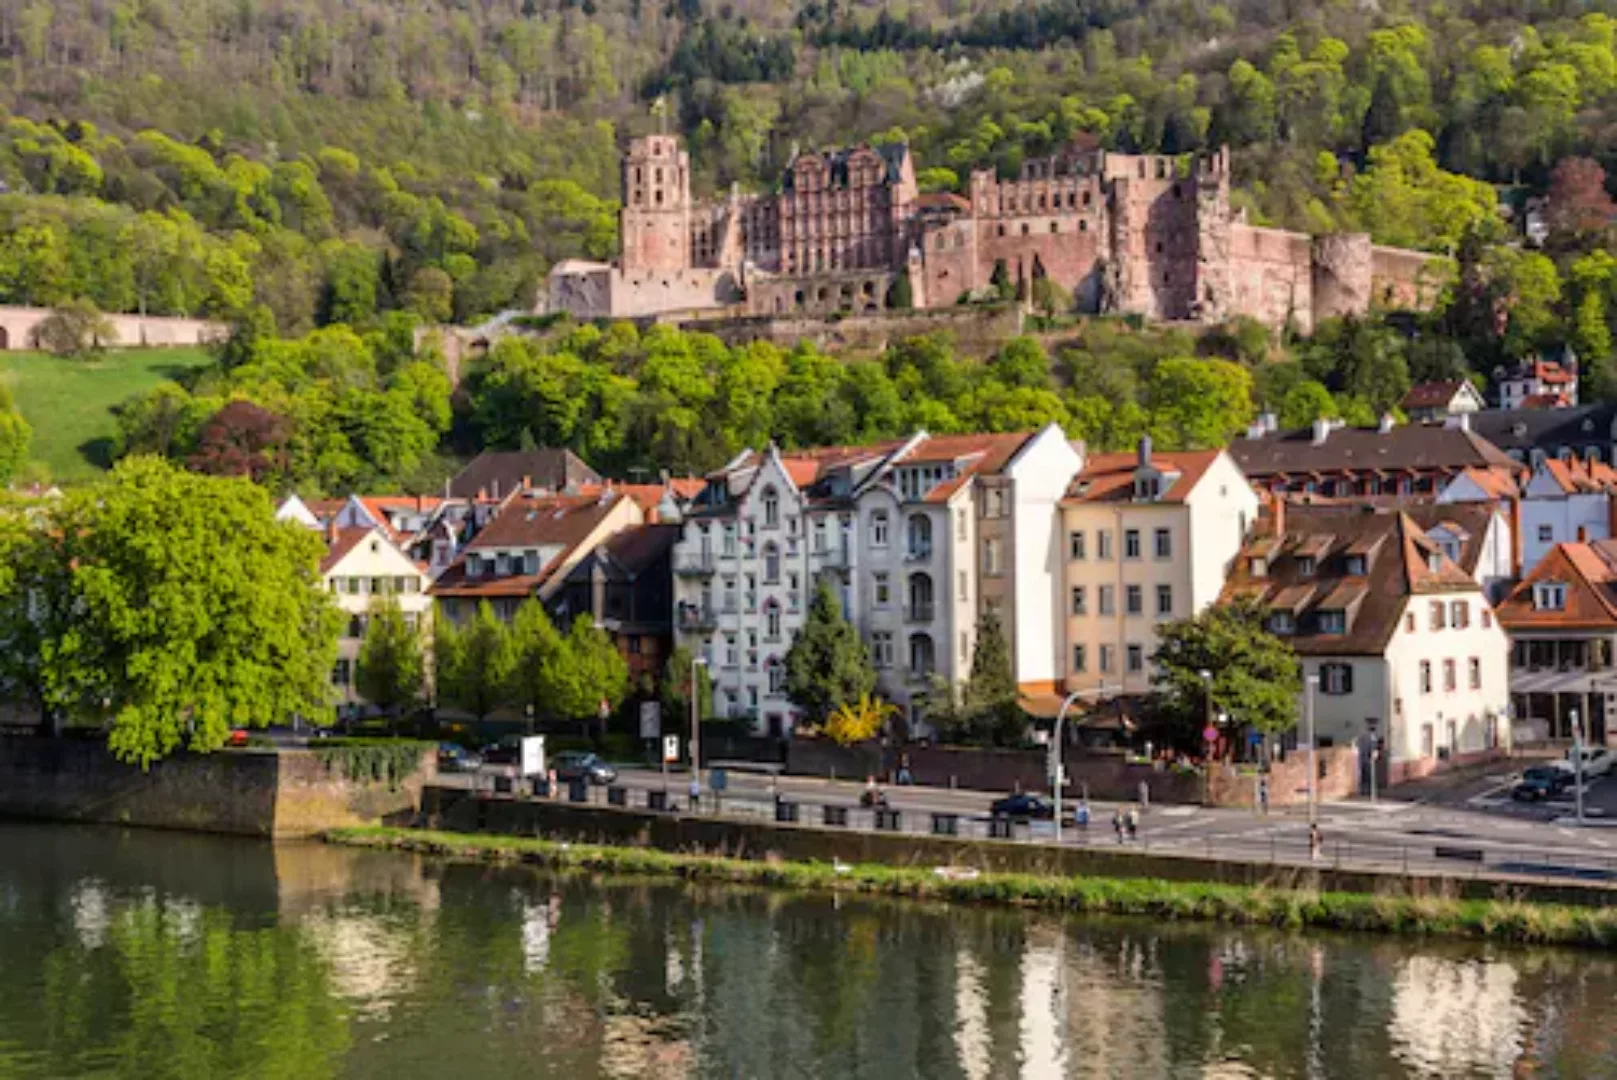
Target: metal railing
(694, 563)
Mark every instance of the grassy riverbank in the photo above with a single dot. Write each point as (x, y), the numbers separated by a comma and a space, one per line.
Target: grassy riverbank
(1505, 920)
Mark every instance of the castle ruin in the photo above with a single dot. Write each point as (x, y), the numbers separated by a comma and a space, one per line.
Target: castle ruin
(1148, 235)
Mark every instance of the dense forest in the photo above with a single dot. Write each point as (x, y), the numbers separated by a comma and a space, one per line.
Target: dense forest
(325, 174)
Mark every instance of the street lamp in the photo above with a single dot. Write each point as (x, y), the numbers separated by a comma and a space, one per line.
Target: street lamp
(697, 661)
(1577, 758)
(1308, 720)
(1061, 719)
(1207, 729)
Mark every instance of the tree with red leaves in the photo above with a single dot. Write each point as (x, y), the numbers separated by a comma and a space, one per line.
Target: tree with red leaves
(1578, 204)
(242, 439)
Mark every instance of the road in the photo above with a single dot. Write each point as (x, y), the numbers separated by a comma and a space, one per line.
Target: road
(1477, 831)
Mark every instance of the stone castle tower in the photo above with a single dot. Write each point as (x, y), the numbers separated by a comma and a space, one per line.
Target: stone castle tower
(655, 223)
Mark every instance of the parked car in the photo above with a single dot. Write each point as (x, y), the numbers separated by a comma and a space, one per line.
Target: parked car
(1026, 807)
(582, 765)
(1597, 761)
(1542, 782)
(453, 758)
(508, 751)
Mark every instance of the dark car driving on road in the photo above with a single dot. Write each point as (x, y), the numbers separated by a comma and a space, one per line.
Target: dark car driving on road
(1542, 782)
(453, 758)
(581, 765)
(1026, 807)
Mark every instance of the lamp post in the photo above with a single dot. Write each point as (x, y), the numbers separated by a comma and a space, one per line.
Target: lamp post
(697, 661)
(1577, 758)
(1061, 720)
(1308, 720)
(1207, 726)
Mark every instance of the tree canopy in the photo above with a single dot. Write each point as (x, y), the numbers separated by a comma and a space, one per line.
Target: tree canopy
(828, 665)
(1256, 678)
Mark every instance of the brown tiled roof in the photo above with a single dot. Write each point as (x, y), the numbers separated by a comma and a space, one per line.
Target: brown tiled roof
(527, 522)
(1589, 572)
(629, 553)
(1471, 518)
(345, 540)
(1110, 477)
(1397, 569)
(1431, 395)
(504, 470)
(1412, 447)
(996, 450)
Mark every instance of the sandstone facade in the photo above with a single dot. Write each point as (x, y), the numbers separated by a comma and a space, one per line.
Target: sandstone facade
(1123, 233)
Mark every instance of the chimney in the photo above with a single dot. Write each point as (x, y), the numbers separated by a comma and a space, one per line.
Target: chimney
(1583, 534)
(1387, 423)
(331, 531)
(496, 491)
(1516, 534)
(1322, 428)
(527, 482)
(482, 494)
(1465, 421)
(1277, 504)
(1143, 454)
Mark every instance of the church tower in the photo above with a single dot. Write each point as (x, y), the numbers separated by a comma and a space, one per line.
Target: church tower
(656, 217)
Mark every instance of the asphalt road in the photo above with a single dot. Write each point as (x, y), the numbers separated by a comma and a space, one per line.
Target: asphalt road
(1481, 831)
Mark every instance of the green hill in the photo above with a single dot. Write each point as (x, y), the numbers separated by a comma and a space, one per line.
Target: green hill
(70, 402)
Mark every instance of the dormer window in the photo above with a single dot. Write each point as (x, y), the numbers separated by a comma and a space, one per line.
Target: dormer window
(1281, 622)
(1305, 566)
(1549, 596)
(1148, 488)
(1434, 561)
(1259, 566)
(1333, 622)
(474, 566)
(1354, 566)
(502, 564)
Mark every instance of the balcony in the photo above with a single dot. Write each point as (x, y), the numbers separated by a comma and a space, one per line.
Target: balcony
(696, 617)
(918, 553)
(694, 564)
(920, 611)
(834, 558)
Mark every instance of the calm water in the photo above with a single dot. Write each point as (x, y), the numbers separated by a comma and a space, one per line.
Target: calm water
(139, 954)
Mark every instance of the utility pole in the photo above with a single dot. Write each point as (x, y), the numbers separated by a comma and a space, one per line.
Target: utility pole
(1061, 720)
(1207, 729)
(697, 661)
(1577, 758)
(1313, 765)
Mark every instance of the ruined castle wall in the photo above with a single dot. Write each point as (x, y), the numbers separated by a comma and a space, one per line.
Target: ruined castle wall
(949, 263)
(642, 293)
(1400, 278)
(1154, 241)
(855, 292)
(1271, 274)
(1341, 275)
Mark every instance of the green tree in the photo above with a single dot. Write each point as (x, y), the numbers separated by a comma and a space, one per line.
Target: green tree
(537, 646)
(432, 295)
(901, 294)
(1306, 402)
(675, 692)
(195, 611)
(15, 435)
(76, 328)
(586, 671)
(390, 667)
(990, 707)
(1256, 678)
(474, 664)
(1194, 404)
(827, 665)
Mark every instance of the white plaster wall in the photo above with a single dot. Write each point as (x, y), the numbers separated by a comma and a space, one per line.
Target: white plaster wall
(1222, 506)
(1564, 515)
(1040, 475)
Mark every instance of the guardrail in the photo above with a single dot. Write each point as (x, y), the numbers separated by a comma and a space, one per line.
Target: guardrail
(1262, 847)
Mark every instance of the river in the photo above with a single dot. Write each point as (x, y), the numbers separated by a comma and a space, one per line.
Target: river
(127, 953)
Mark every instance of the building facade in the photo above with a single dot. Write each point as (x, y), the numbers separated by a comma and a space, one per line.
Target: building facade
(363, 565)
(1149, 538)
(1138, 234)
(917, 537)
(1402, 643)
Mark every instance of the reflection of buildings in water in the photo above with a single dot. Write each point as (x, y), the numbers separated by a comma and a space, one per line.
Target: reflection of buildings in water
(678, 967)
(971, 1038)
(1456, 1017)
(90, 912)
(1043, 1038)
(539, 921)
(370, 959)
(640, 1046)
(1115, 1025)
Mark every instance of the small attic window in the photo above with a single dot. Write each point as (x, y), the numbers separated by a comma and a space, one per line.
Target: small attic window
(1354, 566)
(1260, 566)
(1434, 561)
(1305, 566)
(375, 547)
(1549, 596)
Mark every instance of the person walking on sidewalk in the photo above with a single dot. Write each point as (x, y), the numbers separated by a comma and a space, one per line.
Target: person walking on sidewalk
(1134, 823)
(1316, 843)
(1117, 823)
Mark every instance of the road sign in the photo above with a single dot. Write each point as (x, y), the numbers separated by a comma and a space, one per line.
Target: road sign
(533, 755)
(1210, 733)
(670, 749)
(651, 719)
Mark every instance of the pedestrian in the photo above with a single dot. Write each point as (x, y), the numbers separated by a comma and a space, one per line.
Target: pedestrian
(551, 787)
(696, 792)
(905, 777)
(1117, 823)
(1134, 823)
(1316, 842)
(1263, 794)
(1081, 816)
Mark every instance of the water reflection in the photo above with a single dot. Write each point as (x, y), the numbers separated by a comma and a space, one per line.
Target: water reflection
(225, 959)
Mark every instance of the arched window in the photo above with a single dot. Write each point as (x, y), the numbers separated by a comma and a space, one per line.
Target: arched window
(920, 597)
(923, 658)
(919, 536)
(771, 562)
(771, 501)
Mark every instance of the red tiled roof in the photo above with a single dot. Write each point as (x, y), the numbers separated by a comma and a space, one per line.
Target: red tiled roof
(527, 522)
(1110, 477)
(1494, 482)
(1589, 571)
(1431, 395)
(344, 541)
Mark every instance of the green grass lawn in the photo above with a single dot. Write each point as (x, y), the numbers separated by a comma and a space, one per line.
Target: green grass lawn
(70, 402)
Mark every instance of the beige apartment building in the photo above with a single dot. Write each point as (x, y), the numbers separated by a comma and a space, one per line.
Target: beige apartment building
(362, 566)
(1150, 537)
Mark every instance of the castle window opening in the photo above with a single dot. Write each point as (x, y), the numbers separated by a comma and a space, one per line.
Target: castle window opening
(1086, 198)
(1159, 247)
(1142, 168)
(659, 198)
(1165, 277)
(1002, 230)
(798, 298)
(1054, 227)
(1041, 202)
(1162, 169)
(639, 176)
(659, 176)
(1083, 226)
(1025, 228)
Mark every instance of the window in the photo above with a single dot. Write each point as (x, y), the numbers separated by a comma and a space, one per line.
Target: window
(1409, 621)
(880, 588)
(1103, 543)
(1305, 566)
(1131, 543)
(1353, 565)
(775, 672)
(881, 648)
(1080, 600)
(1549, 596)
(1450, 683)
(965, 589)
(919, 536)
(1259, 566)
(1106, 657)
(772, 621)
(960, 524)
(771, 508)
(339, 673)
(1546, 534)
(1164, 599)
(1336, 678)
(771, 563)
(1437, 608)
(731, 657)
(1162, 543)
(1487, 619)
(878, 529)
(1426, 676)
(1136, 659)
(1474, 672)
(1133, 599)
(1075, 545)
(1080, 659)
(1459, 614)
(920, 597)
(1333, 622)
(356, 626)
(729, 545)
(922, 656)
(1281, 622)
(1107, 607)
(993, 557)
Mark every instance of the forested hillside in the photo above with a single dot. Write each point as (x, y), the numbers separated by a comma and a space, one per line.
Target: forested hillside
(292, 165)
